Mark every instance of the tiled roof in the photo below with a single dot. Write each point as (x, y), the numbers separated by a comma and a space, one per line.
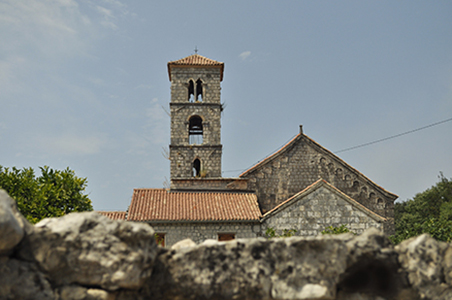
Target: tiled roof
(195, 60)
(299, 137)
(319, 183)
(114, 215)
(164, 205)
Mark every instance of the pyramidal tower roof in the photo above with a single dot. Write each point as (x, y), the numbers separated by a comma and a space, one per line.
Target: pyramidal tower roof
(195, 60)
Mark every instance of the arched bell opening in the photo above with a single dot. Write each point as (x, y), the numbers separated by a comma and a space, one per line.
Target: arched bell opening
(195, 131)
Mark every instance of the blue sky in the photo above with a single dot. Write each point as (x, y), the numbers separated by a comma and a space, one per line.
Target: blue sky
(84, 85)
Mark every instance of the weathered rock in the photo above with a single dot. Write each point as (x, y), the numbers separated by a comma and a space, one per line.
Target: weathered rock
(12, 224)
(92, 250)
(187, 243)
(372, 268)
(89, 257)
(427, 263)
(23, 280)
(370, 243)
(72, 292)
(295, 268)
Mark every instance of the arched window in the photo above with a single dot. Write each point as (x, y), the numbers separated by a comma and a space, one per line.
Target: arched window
(195, 131)
(198, 90)
(196, 168)
(191, 91)
(195, 91)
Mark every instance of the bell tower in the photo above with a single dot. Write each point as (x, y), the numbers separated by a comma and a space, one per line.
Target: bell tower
(195, 149)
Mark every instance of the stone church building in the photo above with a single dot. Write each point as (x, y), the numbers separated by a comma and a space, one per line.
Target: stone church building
(302, 186)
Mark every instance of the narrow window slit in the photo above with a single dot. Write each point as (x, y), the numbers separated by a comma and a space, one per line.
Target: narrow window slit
(196, 168)
(199, 94)
(191, 91)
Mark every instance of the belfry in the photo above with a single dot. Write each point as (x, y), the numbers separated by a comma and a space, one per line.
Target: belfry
(195, 149)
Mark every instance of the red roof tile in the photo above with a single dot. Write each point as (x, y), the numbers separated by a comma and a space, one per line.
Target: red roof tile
(195, 60)
(164, 205)
(114, 215)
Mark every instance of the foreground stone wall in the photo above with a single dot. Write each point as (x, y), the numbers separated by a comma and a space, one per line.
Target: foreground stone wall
(87, 256)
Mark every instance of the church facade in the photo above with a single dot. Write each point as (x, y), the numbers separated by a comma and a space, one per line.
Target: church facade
(302, 186)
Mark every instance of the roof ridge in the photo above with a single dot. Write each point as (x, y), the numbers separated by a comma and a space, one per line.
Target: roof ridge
(196, 60)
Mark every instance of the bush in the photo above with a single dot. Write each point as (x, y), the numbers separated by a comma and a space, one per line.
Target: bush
(336, 230)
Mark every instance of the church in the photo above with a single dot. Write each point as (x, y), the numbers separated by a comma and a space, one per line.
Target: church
(302, 186)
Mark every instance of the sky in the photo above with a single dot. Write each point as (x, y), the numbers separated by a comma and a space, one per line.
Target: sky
(84, 85)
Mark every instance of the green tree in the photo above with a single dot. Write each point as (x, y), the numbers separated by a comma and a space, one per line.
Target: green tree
(53, 194)
(428, 212)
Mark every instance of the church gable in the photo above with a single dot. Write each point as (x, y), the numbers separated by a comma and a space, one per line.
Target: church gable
(302, 162)
(317, 207)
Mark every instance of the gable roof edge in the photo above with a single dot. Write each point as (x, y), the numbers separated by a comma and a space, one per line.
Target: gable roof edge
(388, 194)
(272, 156)
(287, 202)
(316, 185)
(328, 152)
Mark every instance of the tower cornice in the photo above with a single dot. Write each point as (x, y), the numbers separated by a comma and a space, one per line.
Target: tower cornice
(195, 61)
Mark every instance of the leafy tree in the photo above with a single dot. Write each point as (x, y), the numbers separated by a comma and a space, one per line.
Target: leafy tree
(53, 194)
(428, 212)
(337, 230)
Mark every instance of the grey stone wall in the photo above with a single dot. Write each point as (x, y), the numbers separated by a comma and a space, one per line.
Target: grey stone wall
(209, 184)
(316, 211)
(182, 154)
(199, 232)
(303, 163)
(210, 114)
(182, 158)
(210, 77)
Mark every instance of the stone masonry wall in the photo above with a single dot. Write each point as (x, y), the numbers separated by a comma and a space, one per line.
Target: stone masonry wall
(182, 158)
(209, 184)
(316, 211)
(199, 232)
(182, 154)
(304, 163)
(181, 113)
(210, 77)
